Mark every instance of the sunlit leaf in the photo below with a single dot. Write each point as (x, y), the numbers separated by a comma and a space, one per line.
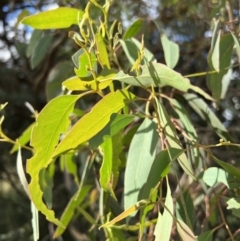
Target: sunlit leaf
(133, 30)
(160, 75)
(51, 122)
(166, 219)
(62, 17)
(94, 121)
(185, 232)
(102, 51)
(171, 51)
(69, 211)
(140, 159)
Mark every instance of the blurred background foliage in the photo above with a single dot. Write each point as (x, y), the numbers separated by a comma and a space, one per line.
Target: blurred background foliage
(25, 78)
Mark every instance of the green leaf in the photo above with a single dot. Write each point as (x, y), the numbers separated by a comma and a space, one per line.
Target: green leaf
(40, 50)
(215, 175)
(206, 236)
(69, 211)
(159, 75)
(131, 47)
(109, 169)
(51, 122)
(214, 81)
(185, 208)
(134, 29)
(140, 159)
(173, 140)
(185, 232)
(57, 75)
(94, 121)
(102, 51)
(117, 122)
(159, 169)
(164, 223)
(62, 17)
(104, 79)
(237, 45)
(23, 139)
(171, 51)
(36, 35)
(207, 115)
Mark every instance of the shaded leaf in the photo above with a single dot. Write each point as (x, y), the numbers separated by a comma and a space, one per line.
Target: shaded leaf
(69, 211)
(51, 122)
(237, 45)
(117, 122)
(36, 35)
(140, 158)
(62, 17)
(134, 29)
(206, 236)
(171, 51)
(94, 121)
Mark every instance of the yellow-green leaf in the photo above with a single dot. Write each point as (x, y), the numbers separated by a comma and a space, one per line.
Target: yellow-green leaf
(133, 29)
(57, 18)
(102, 51)
(94, 121)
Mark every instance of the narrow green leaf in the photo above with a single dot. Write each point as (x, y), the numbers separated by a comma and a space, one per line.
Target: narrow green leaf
(171, 51)
(69, 211)
(131, 47)
(134, 29)
(166, 220)
(40, 50)
(102, 51)
(24, 13)
(206, 114)
(173, 140)
(237, 45)
(51, 122)
(140, 159)
(159, 75)
(215, 56)
(159, 169)
(117, 122)
(185, 232)
(206, 236)
(62, 17)
(23, 139)
(57, 75)
(109, 169)
(94, 121)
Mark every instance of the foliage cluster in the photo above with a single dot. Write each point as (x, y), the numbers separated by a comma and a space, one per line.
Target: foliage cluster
(137, 140)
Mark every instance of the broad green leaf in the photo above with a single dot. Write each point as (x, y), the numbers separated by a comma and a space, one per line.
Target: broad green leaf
(57, 75)
(40, 50)
(214, 81)
(133, 30)
(62, 17)
(23, 139)
(171, 51)
(104, 79)
(117, 122)
(166, 219)
(140, 159)
(159, 169)
(36, 35)
(234, 205)
(202, 109)
(185, 232)
(214, 175)
(206, 236)
(131, 48)
(69, 211)
(102, 51)
(94, 121)
(173, 140)
(109, 169)
(159, 75)
(185, 208)
(51, 123)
